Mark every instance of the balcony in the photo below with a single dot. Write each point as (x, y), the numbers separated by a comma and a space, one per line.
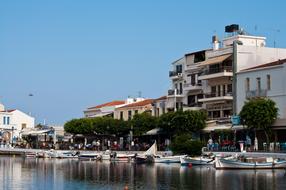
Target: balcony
(256, 93)
(175, 74)
(193, 106)
(211, 97)
(192, 86)
(225, 71)
(175, 93)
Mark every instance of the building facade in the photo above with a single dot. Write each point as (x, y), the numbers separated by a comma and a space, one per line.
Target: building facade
(107, 109)
(207, 79)
(13, 122)
(128, 111)
(159, 106)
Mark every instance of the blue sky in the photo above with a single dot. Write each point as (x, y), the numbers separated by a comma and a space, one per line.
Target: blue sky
(76, 54)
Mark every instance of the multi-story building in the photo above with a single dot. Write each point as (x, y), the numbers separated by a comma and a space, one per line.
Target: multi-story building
(128, 111)
(159, 106)
(266, 80)
(107, 109)
(13, 122)
(206, 79)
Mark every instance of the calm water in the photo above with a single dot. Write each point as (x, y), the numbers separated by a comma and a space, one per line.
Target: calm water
(29, 173)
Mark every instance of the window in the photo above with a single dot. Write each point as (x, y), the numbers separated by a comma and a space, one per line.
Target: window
(4, 120)
(136, 111)
(8, 120)
(247, 85)
(268, 82)
(129, 115)
(181, 88)
(193, 79)
(258, 80)
(121, 115)
(179, 68)
(229, 88)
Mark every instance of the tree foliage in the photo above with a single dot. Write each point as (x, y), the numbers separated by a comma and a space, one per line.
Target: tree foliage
(183, 144)
(143, 122)
(98, 125)
(183, 122)
(259, 113)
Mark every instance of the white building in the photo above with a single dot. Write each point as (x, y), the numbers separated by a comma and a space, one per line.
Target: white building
(107, 109)
(12, 122)
(266, 80)
(206, 79)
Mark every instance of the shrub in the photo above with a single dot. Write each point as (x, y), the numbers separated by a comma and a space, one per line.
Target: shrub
(184, 144)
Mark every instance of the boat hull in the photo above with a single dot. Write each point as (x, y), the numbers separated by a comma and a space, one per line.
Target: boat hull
(196, 161)
(167, 159)
(233, 164)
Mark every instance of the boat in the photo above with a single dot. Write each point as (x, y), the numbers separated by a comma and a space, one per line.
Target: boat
(146, 157)
(168, 159)
(105, 155)
(121, 157)
(30, 154)
(89, 156)
(250, 163)
(201, 160)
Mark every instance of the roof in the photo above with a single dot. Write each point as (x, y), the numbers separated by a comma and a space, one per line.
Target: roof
(138, 104)
(8, 110)
(271, 64)
(161, 98)
(214, 60)
(113, 103)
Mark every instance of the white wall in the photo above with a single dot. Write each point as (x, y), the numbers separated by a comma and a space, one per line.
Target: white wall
(249, 56)
(278, 88)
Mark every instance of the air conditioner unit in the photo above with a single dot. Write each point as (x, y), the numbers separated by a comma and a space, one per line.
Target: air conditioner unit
(180, 74)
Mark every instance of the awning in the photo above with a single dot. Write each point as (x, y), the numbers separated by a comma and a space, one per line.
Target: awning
(214, 60)
(155, 131)
(35, 132)
(217, 127)
(102, 114)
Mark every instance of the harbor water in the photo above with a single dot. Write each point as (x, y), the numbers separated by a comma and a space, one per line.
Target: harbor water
(32, 173)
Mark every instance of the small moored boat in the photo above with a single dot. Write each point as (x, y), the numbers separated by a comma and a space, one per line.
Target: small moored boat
(249, 163)
(196, 160)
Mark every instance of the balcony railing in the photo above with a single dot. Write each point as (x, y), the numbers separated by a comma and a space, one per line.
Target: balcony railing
(217, 70)
(187, 85)
(215, 94)
(175, 73)
(172, 92)
(256, 93)
(194, 104)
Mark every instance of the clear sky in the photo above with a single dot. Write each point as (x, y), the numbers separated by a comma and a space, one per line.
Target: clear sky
(74, 54)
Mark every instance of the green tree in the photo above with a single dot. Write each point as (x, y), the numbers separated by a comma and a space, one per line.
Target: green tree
(183, 122)
(143, 122)
(183, 144)
(79, 126)
(259, 113)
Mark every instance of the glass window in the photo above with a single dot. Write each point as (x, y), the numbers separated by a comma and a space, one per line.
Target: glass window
(258, 80)
(8, 121)
(4, 120)
(268, 82)
(129, 115)
(247, 85)
(121, 115)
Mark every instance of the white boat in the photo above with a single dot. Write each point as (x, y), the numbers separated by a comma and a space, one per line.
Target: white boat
(106, 155)
(167, 159)
(196, 160)
(147, 156)
(121, 157)
(89, 156)
(250, 163)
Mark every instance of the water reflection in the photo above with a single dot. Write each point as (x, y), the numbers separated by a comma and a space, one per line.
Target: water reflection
(20, 173)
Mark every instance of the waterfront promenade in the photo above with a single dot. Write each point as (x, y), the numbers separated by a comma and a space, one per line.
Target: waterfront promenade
(22, 151)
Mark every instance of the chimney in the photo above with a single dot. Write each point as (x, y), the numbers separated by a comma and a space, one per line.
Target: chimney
(215, 42)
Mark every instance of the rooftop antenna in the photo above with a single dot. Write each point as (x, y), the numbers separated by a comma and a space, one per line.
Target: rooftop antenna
(275, 31)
